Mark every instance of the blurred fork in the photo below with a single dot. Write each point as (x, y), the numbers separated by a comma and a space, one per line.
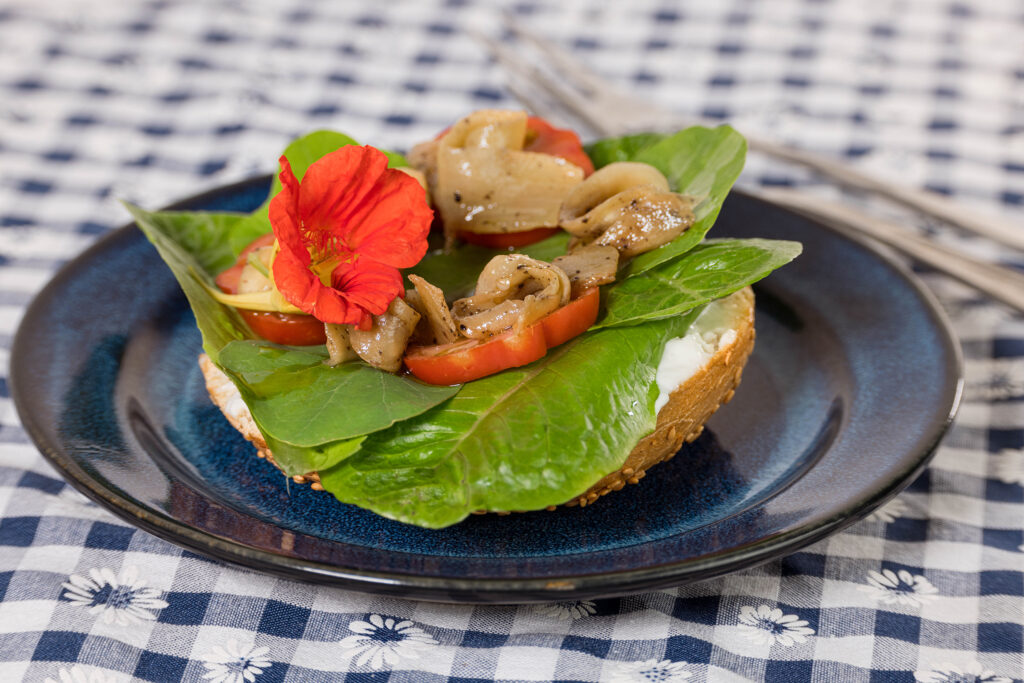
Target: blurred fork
(608, 111)
(589, 99)
(1002, 284)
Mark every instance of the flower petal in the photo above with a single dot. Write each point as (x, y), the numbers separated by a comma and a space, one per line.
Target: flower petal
(367, 285)
(395, 231)
(361, 627)
(339, 189)
(284, 212)
(348, 209)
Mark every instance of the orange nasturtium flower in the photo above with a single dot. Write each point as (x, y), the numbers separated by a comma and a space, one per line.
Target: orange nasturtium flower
(344, 232)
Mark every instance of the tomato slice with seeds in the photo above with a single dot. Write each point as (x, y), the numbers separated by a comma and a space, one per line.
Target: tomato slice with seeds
(290, 329)
(464, 361)
(228, 279)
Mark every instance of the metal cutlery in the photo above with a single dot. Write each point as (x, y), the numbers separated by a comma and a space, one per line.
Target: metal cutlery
(564, 86)
(609, 111)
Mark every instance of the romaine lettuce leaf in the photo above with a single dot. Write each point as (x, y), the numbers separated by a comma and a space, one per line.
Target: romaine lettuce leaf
(702, 163)
(174, 240)
(707, 272)
(294, 397)
(456, 272)
(625, 148)
(305, 459)
(214, 240)
(515, 440)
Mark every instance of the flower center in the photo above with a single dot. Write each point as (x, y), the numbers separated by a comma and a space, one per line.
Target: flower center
(387, 635)
(326, 252)
(115, 598)
(655, 675)
(238, 666)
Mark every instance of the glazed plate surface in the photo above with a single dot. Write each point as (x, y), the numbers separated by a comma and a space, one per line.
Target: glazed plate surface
(853, 381)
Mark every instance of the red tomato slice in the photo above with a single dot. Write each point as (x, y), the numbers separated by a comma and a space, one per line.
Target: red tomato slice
(504, 240)
(542, 137)
(468, 360)
(464, 361)
(228, 279)
(571, 320)
(290, 329)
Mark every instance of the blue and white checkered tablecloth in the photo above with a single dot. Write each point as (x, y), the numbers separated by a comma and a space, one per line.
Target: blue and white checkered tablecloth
(155, 100)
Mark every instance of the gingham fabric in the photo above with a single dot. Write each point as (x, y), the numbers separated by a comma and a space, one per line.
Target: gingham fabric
(153, 101)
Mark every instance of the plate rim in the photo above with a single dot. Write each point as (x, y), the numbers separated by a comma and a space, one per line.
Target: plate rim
(460, 589)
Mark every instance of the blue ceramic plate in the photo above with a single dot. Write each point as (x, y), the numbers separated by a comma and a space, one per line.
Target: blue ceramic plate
(853, 382)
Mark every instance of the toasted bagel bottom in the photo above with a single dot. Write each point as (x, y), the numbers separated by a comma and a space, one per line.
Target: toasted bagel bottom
(727, 331)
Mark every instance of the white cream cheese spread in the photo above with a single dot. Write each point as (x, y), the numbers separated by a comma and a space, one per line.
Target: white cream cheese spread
(713, 330)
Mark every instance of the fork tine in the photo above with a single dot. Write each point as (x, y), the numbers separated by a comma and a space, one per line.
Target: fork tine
(610, 112)
(607, 109)
(529, 98)
(576, 73)
(582, 107)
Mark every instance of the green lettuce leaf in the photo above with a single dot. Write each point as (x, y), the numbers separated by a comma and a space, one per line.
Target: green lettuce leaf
(214, 240)
(343, 396)
(297, 399)
(456, 272)
(707, 272)
(702, 163)
(512, 441)
(220, 325)
(304, 459)
(625, 148)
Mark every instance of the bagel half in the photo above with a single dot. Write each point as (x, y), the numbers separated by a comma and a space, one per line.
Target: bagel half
(698, 374)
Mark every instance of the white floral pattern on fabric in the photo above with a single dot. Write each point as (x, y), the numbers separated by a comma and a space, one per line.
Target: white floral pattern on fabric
(994, 379)
(899, 588)
(889, 512)
(384, 641)
(564, 611)
(122, 599)
(235, 663)
(768, 626)
(950, 673)
(1010, 466)
(650, 671)
(78, 674)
